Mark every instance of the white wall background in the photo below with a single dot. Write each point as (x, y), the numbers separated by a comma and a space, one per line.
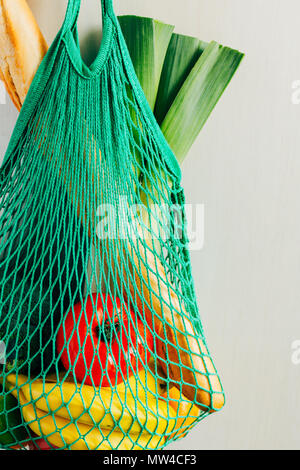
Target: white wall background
(245, 168)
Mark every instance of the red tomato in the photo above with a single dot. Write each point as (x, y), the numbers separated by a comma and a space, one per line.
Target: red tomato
(41, 444)
(103, 345)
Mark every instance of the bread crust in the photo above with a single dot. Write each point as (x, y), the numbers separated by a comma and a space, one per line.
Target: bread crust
(9, 86)
(22, 48)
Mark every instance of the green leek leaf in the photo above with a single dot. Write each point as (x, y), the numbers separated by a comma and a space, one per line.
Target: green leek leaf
(148, 41)
(198, 96)
(182, 55)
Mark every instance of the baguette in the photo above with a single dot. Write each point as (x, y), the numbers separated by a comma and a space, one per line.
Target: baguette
(22, 48)
(181, 353)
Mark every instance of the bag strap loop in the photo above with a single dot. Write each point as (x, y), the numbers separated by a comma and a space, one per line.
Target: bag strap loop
(71, 17)
(73, 10)
(107, 7)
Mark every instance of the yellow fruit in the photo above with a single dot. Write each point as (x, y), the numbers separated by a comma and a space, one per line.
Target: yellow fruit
(61, 432)
(124, 409)
(186, 412)
(129, 416)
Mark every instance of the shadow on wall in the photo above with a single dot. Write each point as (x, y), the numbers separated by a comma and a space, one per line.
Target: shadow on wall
(89, 30)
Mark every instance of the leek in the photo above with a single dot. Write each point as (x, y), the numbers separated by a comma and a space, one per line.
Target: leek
(147, 41)
(182, 77)
(182, 55)
(198, 96)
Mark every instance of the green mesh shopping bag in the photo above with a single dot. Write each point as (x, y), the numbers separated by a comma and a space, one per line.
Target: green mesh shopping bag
(104, 347)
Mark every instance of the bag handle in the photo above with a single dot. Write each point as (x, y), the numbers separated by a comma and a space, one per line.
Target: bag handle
(107, 8)
(73, 10)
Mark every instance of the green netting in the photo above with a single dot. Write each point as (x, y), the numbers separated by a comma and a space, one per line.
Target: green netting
(104, 344)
